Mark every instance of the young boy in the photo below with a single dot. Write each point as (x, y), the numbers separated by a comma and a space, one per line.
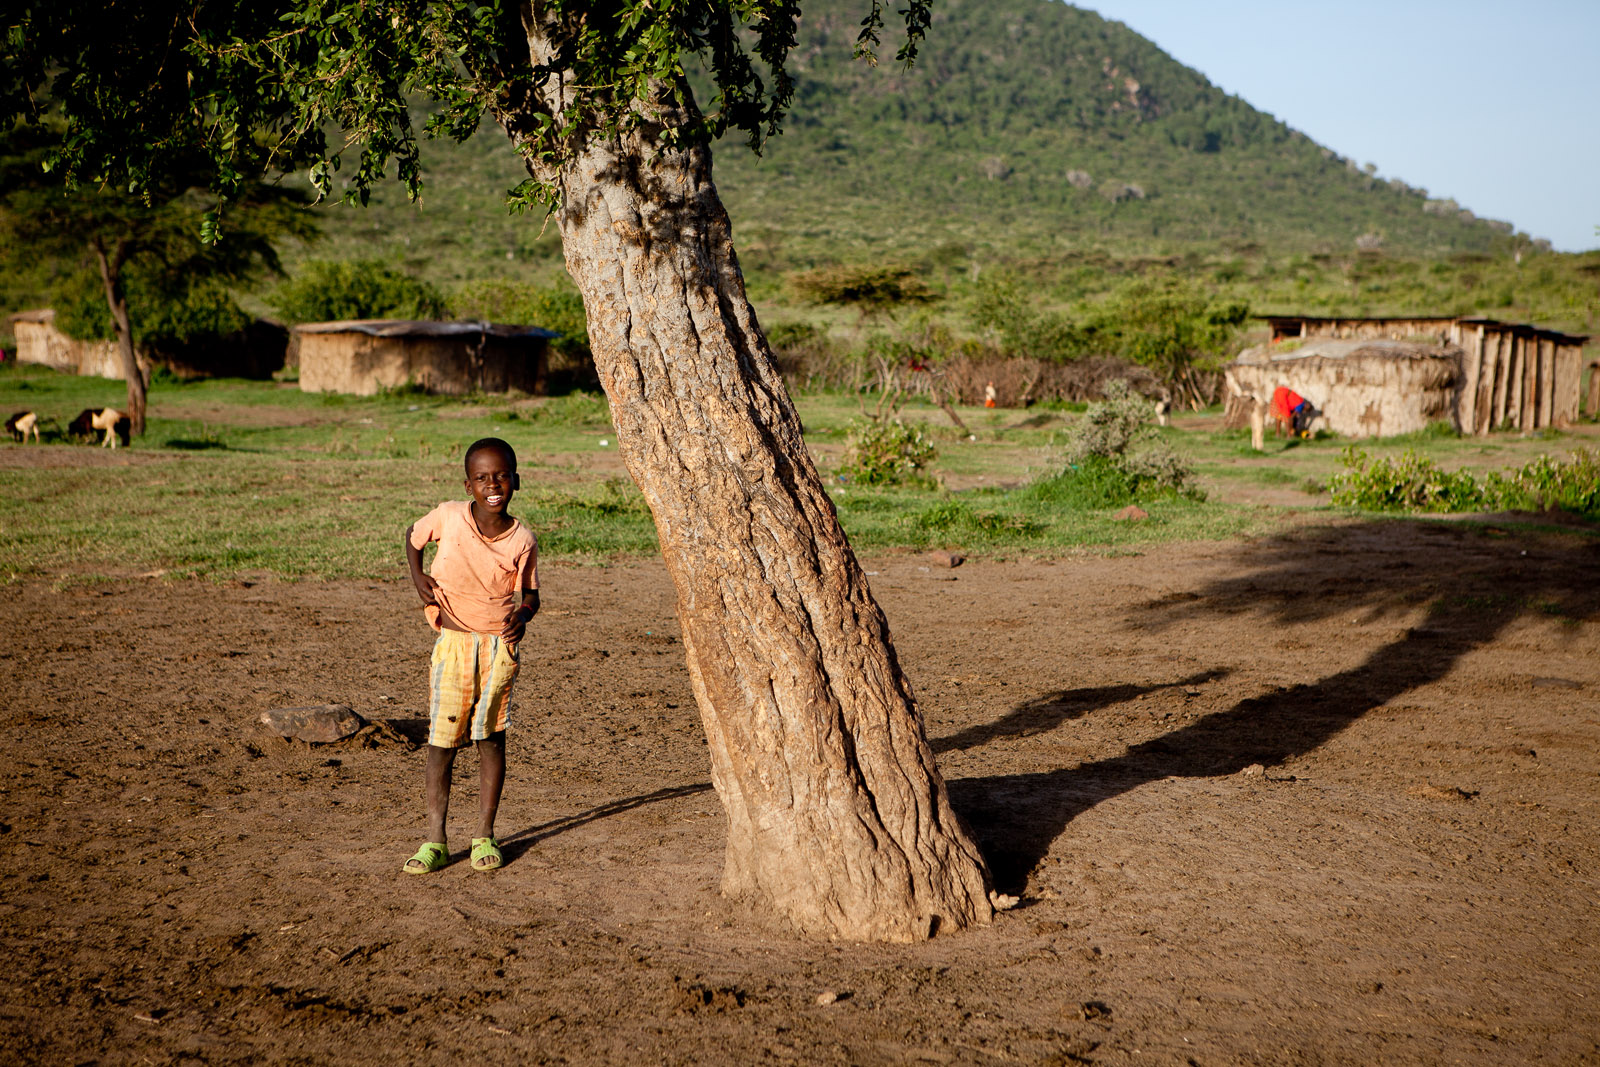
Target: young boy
(483, 590)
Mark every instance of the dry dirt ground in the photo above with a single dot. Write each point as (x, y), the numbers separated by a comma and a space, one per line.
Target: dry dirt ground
(1325, 798)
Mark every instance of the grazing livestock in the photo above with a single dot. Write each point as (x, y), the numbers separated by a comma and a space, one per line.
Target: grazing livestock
(21, 424)
(116, 425)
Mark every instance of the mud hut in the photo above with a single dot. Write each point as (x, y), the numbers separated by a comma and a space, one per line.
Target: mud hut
(256, 351)
(38, 341)
(1359, 388)
(1511, 375)
(366, 355)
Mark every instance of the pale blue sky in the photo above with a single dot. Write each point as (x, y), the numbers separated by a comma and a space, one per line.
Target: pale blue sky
(1494, 104)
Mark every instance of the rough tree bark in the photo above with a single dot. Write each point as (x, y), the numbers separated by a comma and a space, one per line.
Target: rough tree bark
(111, 278)
(838, 820)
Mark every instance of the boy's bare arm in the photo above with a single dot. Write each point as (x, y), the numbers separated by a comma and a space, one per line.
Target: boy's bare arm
(420, 578)
(521, 615)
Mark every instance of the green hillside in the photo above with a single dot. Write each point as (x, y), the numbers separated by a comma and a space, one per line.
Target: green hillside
(1033, 141)
(1027, 129)
(1030, 127)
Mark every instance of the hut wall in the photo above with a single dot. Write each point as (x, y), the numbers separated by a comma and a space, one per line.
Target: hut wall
(1502, 377)
(38, 341)
(1567, 383)
(1439, 331)
(1360, 396)
(1513, 375)
(357, 363)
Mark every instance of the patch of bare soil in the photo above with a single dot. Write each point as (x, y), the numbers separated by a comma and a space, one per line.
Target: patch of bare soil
(1322, 799)
(50, 457)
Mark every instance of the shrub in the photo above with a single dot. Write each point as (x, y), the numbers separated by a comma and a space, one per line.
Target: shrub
(1115, 454)
(871, 290)
(324, 291)
(887, 452)
(1409, 483)
(1571, 485)
(205, 312)
(557, 307)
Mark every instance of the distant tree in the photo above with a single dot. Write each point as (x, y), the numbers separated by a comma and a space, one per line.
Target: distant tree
(363, 289)
(1172, 327)
(146, 243)
(870, 290)
(838, 820)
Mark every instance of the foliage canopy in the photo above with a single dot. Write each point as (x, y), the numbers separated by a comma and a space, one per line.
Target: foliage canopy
(247, 88)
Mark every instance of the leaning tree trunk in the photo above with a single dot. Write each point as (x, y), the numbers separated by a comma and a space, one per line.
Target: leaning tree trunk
(111, 279)
(838, 819)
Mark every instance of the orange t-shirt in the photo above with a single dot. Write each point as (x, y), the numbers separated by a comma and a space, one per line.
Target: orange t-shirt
(480, 578)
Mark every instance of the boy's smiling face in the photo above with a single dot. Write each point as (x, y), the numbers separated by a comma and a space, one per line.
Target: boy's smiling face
(491, 479)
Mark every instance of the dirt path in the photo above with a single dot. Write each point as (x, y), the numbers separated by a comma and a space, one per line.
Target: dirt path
(1323, 799)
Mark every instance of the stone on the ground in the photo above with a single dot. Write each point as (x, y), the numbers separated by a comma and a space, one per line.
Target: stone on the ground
(318, 724)
(946, 559)
(1132, 513)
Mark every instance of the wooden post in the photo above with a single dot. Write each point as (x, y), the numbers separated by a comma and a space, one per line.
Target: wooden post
(1528, 348)
(1568, 384)
(1547, 382)
(1483, 413)
(1471, 371)
(1503, 377)
(1258, 425)
(1593, 407)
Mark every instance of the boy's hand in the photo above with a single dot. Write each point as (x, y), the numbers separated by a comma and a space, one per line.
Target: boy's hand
(426, 589)
(521, 615)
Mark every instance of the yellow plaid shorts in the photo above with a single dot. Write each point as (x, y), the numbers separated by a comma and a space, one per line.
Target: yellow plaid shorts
(469, 691)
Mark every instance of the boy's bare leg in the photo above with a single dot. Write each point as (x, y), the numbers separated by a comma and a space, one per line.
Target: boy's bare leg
(491, 780)
(440, 763)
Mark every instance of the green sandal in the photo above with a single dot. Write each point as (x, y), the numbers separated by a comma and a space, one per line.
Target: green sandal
(429, 858)
(486, 854)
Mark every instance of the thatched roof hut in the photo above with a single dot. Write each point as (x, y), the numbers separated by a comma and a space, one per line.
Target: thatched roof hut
(38, 341)
(1361, 388)
(363, 356)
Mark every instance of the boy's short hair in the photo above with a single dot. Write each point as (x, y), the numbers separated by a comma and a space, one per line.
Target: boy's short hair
(483, 444)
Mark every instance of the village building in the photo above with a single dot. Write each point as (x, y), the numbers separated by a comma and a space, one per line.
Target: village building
(39, 341)
(256, 351)
(1378, 377)
(365, 356)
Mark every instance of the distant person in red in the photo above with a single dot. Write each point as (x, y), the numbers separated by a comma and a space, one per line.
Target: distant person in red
(1290, 411)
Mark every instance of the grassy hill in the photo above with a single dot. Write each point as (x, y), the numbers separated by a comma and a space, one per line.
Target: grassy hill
(1028, 129)
(1033, 139)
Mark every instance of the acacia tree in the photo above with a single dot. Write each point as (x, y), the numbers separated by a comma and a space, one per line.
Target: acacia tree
(149, 236)
(838, 818)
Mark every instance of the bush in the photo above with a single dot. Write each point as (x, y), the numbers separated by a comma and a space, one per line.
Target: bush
(557, 307)
(887, 452)
(1409, 483)
(871, 290)
(1114, 454)
(205, 313)
(364, 289)
(1572, 485)
(1414, 483)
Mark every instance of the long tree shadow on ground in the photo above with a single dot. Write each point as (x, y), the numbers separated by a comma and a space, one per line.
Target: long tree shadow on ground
(1474, 582)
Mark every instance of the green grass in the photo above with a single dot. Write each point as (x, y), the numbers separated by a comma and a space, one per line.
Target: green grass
(239, 478)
